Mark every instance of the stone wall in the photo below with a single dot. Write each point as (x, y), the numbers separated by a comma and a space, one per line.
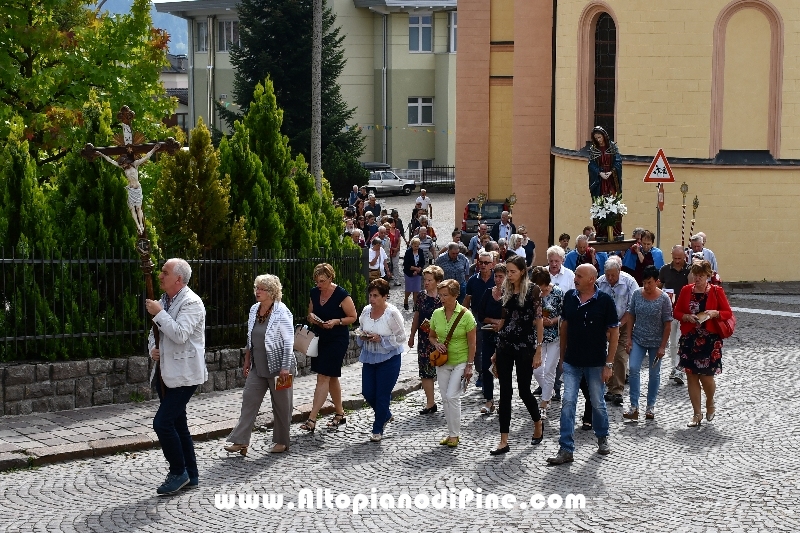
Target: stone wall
(38, 387)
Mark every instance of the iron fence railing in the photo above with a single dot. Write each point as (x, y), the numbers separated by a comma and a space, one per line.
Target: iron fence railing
(80, 303)
(439, 177)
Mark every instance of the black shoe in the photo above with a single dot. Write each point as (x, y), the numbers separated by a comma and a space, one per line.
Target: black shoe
(538, 391)
(556, 396)
(538, 440)
(562, 457)
(429, 410)
(500, 451)
(586, 426)
(608, 397)
(627, 377)
(602, 446)
(405, 306)
(618, 399)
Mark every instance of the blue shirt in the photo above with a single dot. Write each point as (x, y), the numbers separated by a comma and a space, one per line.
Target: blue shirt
(476, 289)
(587, 324)
(573, 260)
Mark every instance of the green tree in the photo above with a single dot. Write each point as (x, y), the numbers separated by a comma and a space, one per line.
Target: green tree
(276, 41)
(55, 52)
(191, 200)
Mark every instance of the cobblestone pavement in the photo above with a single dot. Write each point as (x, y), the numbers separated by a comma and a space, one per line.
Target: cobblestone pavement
(735, 474)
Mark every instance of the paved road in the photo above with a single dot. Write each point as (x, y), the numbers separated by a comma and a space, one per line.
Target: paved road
(735, 474)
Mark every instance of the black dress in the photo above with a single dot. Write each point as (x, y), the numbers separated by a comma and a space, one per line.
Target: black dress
(332, 342)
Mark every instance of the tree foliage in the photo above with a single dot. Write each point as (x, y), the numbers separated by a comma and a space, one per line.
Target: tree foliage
(191, 200)
(276, 42)
(56, 52)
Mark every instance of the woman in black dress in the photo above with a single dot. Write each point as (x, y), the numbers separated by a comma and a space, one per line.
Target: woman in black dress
(331, 310)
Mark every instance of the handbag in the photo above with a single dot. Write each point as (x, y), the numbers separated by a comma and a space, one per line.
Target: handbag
(438, 358)
(305, 341)
(725, 328)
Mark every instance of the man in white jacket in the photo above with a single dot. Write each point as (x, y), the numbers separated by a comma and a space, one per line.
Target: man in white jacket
(181, 319)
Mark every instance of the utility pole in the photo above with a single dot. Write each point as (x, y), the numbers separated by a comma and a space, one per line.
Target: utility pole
(316, 96)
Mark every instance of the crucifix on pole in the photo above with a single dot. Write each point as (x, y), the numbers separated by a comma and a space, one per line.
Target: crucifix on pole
(129, 146)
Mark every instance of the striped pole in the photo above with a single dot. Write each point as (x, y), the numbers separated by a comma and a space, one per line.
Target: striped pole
(684, 190)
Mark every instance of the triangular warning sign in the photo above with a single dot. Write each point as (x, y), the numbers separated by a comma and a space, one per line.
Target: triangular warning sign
(659, 171)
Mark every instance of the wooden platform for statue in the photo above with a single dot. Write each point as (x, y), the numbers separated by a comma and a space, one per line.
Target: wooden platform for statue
(616, 246)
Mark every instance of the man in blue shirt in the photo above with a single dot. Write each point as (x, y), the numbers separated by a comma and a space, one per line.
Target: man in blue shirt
(584, 254)
(476, 289)
(588, 316)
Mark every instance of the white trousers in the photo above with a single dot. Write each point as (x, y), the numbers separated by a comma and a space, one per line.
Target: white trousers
(449, 378)
(674, 335)
(546, 374)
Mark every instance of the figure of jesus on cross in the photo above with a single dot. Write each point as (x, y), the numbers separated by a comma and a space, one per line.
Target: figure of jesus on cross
(128, 146)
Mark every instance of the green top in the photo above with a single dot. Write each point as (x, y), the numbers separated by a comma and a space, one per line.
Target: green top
(458, 349)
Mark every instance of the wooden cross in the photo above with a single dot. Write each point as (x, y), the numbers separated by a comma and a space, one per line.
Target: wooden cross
(128, 146)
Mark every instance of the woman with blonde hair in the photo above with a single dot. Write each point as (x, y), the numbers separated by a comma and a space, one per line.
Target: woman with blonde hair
(269, 355)
(453, 332)
(330, 311)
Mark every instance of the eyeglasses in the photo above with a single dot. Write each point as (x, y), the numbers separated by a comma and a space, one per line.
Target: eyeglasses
(485, 262)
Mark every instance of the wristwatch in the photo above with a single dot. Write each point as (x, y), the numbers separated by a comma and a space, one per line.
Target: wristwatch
(609, 365)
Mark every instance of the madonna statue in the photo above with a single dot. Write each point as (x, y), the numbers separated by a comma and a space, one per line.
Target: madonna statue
(605, 170)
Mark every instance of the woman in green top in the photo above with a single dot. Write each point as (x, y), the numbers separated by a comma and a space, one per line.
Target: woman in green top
(453, 376)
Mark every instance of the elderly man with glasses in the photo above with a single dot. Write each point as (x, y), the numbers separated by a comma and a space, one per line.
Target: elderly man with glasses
(477, 285)
(455, 266)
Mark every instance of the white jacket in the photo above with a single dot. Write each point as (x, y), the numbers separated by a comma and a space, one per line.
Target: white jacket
(182, 344)
(278, 340)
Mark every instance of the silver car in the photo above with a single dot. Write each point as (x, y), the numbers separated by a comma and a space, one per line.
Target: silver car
(385, 182)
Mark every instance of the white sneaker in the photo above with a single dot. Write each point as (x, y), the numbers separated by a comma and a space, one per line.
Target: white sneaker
(375, 437)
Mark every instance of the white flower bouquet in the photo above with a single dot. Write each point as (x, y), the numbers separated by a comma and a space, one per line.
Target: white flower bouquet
(607, 210)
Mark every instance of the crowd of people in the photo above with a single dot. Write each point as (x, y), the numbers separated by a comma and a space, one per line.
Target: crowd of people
(587, 321)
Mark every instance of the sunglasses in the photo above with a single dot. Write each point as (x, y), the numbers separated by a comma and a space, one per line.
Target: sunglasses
(485, 262)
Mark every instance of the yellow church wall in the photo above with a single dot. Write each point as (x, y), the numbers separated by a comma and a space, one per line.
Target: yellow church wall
(741, 211)
(502, 20)
(746, 97)
(664, 75)
(500, 140)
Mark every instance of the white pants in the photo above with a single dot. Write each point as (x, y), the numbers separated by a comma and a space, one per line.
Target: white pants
(449, 378)
(546, 374)
(674, 335)
(396, 272)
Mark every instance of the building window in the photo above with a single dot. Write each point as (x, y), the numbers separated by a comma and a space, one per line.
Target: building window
(419, 164)
(228, 35)
(453, 26)
(420, 33)
(420, 111)
(201, 39)
(605, 55)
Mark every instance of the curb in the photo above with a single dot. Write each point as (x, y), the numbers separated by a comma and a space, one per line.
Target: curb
(98, 448)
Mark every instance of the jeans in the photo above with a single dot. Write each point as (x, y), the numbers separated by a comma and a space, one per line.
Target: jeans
(572, 379)
(450, 387)
(377, 382)
(462, 293)
(546, 374)
(489, 345)
(506, 359)
(634, 381)
(173, 431)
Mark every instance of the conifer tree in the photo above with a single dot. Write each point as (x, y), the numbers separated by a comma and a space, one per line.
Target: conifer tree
(191, 200)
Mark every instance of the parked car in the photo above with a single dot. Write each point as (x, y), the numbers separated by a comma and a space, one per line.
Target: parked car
(490, 215)
(383, 181)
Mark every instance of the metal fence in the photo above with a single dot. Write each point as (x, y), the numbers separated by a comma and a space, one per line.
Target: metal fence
(439, 177)
(79, 303)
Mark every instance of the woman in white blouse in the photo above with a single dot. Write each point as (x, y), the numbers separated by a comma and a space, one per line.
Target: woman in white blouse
(381, 340)
(269, 355)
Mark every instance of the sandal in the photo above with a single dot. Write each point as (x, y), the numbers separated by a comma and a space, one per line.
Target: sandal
(696, 420)
(711, 410)
(586, 426)
(309, 425)
(338, 420)
(488, 410)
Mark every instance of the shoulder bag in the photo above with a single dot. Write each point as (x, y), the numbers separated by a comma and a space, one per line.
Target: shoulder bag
(725, 328)
(305, 341)
(439, 358)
